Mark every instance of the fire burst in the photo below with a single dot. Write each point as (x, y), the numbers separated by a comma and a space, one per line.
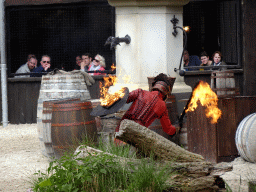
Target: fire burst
(204, 94)
(109, 97)
(113, 67)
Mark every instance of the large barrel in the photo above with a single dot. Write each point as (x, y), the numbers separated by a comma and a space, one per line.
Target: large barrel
(71, 123)
(56, 87)
(245, 138)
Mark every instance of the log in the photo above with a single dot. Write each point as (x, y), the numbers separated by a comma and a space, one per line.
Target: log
(150, 142)
(188, 176)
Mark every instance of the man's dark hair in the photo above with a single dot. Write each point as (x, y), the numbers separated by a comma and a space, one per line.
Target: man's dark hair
(204, 54)
(161, 77)
(87, 54)
(30, 56)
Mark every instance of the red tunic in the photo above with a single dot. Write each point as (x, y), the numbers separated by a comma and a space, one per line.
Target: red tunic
(146, 107)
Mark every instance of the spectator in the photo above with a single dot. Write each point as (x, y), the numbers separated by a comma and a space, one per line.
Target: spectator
(205, 60)
(98, 64)
(44, 67)
(86, 62)
(27, 67)
(78, 62)
(217, 61)
(192, 60)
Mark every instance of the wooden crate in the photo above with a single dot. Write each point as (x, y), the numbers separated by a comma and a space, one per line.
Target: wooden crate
(216, 142)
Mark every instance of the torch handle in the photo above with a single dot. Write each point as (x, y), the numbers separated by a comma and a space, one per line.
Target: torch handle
(186, 107)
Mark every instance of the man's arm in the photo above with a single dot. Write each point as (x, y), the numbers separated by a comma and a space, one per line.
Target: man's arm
(37, 72)
(166, 124)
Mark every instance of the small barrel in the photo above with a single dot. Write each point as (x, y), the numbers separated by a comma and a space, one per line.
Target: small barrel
(223, 83)
(245, 138)
(71, 123)
(46, 124)
(57, 87)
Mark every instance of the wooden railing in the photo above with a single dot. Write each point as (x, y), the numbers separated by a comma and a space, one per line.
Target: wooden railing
(23, 96)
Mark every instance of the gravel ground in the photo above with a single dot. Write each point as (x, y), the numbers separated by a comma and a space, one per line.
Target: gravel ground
(21, 157)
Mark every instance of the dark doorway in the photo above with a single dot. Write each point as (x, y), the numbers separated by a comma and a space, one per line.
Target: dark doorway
(61, 31)
(214, 26)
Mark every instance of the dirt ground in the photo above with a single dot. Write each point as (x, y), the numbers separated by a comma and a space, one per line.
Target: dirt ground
(21, 157)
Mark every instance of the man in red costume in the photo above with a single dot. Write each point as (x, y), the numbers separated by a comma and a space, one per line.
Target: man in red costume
(148, 106)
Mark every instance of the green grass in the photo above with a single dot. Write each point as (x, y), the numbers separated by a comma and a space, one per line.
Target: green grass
(102, 173)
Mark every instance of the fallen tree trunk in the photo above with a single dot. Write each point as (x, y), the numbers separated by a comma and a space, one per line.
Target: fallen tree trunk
(189, 176)
(150, 142)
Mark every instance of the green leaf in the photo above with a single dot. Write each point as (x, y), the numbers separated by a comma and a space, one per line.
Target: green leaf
(66, 187)
(45, 183)
(103, 171)
(79, 175)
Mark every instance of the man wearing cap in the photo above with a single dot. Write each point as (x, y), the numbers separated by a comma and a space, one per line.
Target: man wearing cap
(148, 106)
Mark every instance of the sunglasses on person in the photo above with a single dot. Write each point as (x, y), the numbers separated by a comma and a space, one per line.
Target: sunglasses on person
(96, 60)
(47, 62)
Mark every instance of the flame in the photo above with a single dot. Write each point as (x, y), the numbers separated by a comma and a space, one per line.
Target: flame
(204, 94)
(113, 67)
(110, 96)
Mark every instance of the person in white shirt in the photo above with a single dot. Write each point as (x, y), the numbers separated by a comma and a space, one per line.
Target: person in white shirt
(27, 67)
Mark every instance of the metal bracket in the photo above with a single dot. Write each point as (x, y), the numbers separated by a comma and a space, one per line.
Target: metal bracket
(174, 22)
(114, 41)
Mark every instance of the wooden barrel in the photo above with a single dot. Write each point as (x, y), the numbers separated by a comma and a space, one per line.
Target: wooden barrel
(56, 87)
(46, 124)
(71, 123)
(223, 83)
(245, 138)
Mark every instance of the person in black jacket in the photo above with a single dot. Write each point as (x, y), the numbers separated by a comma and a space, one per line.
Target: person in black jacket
(44, 67)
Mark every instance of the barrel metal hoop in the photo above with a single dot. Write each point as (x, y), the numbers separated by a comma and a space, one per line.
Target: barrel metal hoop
(71, 109)
(72, 104)
(47, 111)
(48, 143)
(47, 121)
(73, 124)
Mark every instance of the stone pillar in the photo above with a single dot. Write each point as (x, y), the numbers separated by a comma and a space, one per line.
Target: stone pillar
(153, 48)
